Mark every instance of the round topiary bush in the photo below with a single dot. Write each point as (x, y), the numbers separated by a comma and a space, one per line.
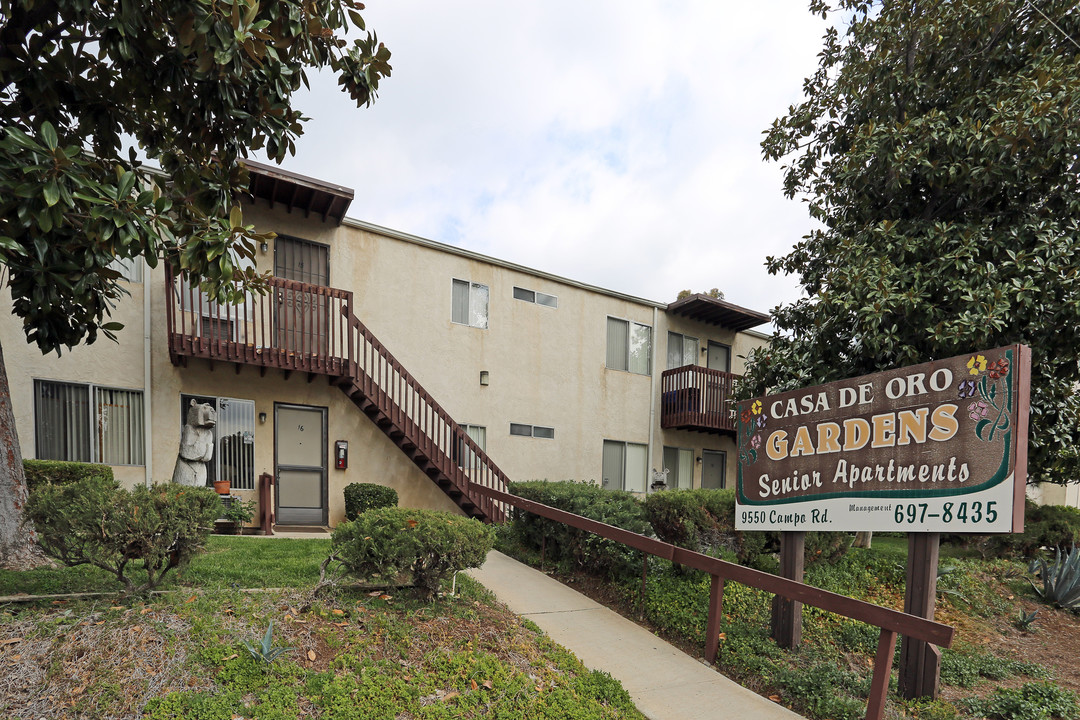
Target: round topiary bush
(429, 545)
(361, 497)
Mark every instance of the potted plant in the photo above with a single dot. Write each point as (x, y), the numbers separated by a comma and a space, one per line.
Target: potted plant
(235, 513)
(222, 487)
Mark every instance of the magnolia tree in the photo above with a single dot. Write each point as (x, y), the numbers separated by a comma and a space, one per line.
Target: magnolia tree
(86, 88)
(938, 148)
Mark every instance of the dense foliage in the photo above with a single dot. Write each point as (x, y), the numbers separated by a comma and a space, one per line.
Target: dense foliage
(360, 497)
(704, 520)
(936, 148)
(1046, 526)
(39, 472)
(429, 545)
(577, 548)
(94, 521)
(86, 89)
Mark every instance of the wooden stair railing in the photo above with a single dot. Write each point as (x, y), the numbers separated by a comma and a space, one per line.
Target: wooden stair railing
(400, 406)
(312, 329)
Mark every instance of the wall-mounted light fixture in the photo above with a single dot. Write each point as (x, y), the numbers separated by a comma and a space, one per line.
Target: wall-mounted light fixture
(484, 377)
(703, 350)
(699, 459)
(264, 246)
(262, 419)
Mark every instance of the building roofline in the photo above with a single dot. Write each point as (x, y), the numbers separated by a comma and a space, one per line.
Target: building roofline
(471, 255)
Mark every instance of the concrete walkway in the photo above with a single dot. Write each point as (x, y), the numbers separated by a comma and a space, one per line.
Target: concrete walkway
(664, 682)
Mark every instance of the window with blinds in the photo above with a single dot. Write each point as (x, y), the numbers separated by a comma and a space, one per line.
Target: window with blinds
(629, 346)
(88, 423)
(679, 462)
(469, 304)
(682, 350)
(234, 439)
(463, 454)
(624, 466)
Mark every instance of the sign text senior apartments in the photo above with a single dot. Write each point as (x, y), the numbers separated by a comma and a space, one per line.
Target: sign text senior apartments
(935, 447)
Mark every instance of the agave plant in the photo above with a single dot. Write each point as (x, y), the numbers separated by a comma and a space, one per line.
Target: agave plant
(265, 650)
(1061, 580)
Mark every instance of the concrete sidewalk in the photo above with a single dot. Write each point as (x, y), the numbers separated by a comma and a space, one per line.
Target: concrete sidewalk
(665, 683)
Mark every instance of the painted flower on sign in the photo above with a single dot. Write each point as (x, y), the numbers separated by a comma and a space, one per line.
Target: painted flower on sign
(978, 410)
(999, 369)
(761, 421)
(976, 364)
(756, 407)
(746, 417)
(755, 442)
(965, 388)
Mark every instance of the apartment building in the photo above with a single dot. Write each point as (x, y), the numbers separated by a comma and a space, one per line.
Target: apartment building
(382, 357)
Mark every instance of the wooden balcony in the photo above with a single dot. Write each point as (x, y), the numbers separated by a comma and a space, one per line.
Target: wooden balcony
(697, 398)
(293, 327)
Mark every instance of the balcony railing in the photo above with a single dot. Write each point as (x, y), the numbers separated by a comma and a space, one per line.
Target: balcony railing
(294, 326)
(697, 398)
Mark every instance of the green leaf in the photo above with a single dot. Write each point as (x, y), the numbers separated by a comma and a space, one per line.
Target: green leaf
(48, 134)
(51, 193)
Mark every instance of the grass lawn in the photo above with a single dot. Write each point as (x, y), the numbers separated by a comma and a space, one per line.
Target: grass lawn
(351, 654)
(229, 561)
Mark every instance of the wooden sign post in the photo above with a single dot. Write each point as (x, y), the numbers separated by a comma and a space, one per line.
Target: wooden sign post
(926, 449)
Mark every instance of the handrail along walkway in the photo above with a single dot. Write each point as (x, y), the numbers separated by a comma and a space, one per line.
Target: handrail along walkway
(891, 622)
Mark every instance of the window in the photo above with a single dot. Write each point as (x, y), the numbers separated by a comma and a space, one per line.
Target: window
(87, 423)
(536, 297)
(682, 350)
(629, 346)
(464, 456)
(234, 439)
(130, 269)
(679, 462)
(469, 304)
(537, 431)
(719, 357)
(624, 466)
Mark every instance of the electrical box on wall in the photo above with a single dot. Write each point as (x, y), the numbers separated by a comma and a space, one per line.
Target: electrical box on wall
(341, 454)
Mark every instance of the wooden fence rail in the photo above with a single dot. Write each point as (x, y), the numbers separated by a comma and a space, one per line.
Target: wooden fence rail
(891, 622)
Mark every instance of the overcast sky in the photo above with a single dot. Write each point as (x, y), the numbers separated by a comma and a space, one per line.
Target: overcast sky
(614, 143)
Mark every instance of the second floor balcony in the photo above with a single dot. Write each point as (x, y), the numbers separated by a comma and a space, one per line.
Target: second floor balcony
(697, 398)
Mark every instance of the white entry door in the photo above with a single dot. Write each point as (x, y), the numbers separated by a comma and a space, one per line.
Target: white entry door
(301, 464)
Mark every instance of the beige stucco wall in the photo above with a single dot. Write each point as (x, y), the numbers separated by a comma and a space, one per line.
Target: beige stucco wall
(113, 364)
(546, 366)
(1046, 494)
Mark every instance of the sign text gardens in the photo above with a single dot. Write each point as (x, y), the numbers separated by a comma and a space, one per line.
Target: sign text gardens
(937, 447)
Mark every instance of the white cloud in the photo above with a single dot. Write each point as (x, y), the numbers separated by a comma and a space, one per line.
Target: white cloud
(614, 143)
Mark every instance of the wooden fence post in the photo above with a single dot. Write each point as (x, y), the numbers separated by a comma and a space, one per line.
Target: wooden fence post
(787, 614)
(920, 662)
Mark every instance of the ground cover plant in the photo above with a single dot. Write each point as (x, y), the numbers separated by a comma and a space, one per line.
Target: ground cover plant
(346, 653)
(998, 668)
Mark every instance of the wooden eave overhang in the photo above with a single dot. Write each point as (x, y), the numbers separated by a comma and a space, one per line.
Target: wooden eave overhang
(298, 192)
(717, 312)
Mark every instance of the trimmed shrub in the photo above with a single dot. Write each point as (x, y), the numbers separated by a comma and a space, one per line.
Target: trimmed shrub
(428, 544)
(1044, 526)
(579, 549)
(39, 472)
(94, 521)
(704, 520)
(361, 497)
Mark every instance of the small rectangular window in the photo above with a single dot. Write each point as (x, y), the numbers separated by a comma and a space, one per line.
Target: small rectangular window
(469, 304)
(537, 431)
(130, 269)
(682, 350)
(679, 463)
(536, 297)
(464, 455)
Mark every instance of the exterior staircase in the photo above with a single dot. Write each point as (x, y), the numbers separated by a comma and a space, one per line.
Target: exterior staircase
(297, 327)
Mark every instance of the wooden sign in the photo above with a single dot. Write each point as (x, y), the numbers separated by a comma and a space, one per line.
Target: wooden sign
(937, 447)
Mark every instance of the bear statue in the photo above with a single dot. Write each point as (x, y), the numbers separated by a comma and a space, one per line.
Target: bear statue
(196, 445)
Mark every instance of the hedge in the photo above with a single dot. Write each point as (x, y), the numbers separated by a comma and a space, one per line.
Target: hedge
(429, 545)
(57, 472)
(360, 497)
(579, 549)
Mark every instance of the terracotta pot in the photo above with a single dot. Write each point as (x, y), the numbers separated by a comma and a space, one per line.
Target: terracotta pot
(221, 487)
